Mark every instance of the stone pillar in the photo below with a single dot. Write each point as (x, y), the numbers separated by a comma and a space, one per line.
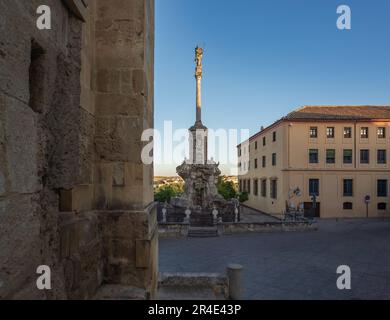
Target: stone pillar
(198, 99)
(198, 77)
(124, 71)
(236, 290)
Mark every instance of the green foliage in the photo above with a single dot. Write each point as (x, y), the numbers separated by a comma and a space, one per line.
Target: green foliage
(165, 192)
(243, 196)
(226, 189)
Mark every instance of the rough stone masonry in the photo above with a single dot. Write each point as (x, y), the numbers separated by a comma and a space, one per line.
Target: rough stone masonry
(74, 194)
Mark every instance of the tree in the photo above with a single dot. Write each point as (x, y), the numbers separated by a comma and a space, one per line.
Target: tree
(166, 192)
(243, 196)
(226, 189)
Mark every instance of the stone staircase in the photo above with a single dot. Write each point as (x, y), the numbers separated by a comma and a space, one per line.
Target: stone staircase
(202, 232)
(201, 220)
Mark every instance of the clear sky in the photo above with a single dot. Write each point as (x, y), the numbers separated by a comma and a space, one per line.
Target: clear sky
(264, 58)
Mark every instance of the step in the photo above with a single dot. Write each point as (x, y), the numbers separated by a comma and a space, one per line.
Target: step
(202, 232)
(192, 286)
(120, 292)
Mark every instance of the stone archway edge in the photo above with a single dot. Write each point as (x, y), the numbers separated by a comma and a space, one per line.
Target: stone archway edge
(78, 7)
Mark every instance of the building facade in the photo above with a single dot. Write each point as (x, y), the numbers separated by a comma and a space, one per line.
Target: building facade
(340, 154)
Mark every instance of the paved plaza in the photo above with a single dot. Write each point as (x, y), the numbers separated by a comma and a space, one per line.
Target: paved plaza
(294, 265)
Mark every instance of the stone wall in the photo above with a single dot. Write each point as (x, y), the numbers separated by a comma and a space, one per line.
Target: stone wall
(43, 140)
(124, 109)
(73, 103)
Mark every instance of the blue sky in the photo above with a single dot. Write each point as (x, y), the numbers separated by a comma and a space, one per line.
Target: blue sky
(264, 58)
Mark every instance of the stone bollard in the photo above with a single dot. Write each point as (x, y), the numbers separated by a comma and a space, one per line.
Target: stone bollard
(164, 212)
(188, 214)
(215, 215)
(236, 290)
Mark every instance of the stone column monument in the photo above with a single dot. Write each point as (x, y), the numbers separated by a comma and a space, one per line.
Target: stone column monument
(200, 174)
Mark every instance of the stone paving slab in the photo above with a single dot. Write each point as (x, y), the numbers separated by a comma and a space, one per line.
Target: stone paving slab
(294, 265)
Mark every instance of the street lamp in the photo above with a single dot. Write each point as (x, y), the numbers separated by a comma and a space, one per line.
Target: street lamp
(367, 200)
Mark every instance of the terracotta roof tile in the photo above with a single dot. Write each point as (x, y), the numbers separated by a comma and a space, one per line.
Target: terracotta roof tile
(340, 113)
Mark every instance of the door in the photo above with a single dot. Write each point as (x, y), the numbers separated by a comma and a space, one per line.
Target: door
(309, 212)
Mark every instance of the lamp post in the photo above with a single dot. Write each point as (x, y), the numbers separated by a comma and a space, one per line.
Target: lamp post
(314, 204)
(367, 200)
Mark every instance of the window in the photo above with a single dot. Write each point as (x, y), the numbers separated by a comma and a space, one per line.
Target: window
(381, 155)
(314, 187)
(382, 206)
(347, 156)
(330, 156)
(255, 145)
(264, 187)
(240, 185)
(249, 186)
(348, 187)
(274, 159)
(381, 131)
(382, 188)
(263, 160)
(274, 136)
(255, 163)
(239, 152)
(347, 132)
(264, 141)
(249, 165)
(255, 187)
(347, 205)
(364, 156)
(330, 132)
(364, 132)
(313, 132)
(313, 156)
(274, 187)
(37, 77)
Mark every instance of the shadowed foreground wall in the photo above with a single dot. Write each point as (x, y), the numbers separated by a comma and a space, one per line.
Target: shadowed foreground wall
(74, 194)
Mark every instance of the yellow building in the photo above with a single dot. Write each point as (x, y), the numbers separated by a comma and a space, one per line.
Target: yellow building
(339, 153)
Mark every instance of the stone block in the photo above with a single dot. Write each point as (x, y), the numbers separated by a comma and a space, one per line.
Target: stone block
(119, 9)
(120, 54)
(2, 184)
(22, 147)
(19, 238)
(77, 199)
(127, 198)
(143, 253)
(122, 249)
(123, 142)
(118, 178)
(108, 81)
(126, 82)
(138, 81)
(103, 185)
(119, 104)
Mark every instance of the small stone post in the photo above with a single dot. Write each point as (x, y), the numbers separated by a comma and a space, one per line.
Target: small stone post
(164, 212)
(234, 273)
(215, 215)
(188, 213)
(236, 214)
